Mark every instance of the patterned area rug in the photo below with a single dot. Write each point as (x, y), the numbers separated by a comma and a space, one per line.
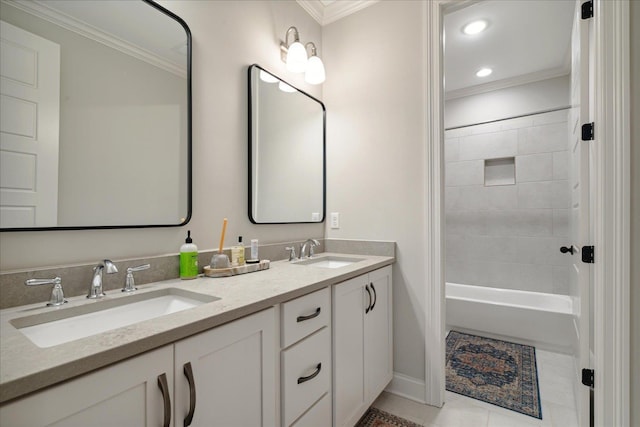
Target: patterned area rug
(497, 372)
(376, 418)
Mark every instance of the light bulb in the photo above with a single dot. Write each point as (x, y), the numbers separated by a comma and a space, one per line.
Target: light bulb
(315, 71)
(296, 58)
(474, 27)
(484, 72)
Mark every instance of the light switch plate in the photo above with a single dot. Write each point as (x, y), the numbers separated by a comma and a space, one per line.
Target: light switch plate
(335, 220)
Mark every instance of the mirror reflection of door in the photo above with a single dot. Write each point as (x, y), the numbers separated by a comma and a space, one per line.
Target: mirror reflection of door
(29, 137)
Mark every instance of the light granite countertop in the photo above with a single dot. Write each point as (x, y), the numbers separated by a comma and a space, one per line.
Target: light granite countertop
(25, 367)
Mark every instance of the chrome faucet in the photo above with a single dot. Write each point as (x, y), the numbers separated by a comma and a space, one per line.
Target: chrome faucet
(312, 244)
(95, 289)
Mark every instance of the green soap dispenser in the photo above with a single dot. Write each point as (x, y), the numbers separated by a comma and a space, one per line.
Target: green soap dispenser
(188, 259)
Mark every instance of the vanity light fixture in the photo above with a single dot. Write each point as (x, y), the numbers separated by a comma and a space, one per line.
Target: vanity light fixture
(315, 68)
(484, 72)
(475, 27)
(295, 56)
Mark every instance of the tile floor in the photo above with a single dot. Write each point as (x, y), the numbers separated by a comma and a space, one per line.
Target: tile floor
(556, 395)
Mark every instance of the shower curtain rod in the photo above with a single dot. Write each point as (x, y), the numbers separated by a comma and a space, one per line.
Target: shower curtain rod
(509, 118)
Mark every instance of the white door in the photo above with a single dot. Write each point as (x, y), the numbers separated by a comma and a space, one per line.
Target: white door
(378, 334)
(233, 374)
(579, 235)
(29, 128)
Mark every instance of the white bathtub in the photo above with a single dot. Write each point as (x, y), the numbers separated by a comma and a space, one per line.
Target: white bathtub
(538, 319)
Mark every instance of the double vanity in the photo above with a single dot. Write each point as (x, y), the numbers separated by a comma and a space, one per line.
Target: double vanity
(304, 343)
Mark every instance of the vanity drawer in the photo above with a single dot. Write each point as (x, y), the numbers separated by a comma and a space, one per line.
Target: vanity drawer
(305, 315)
(318, 416)
(306, 374)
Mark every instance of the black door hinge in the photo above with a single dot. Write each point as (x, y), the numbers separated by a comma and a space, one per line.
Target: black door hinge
(587, 377)
(587, 131)
(587, 10)
(587, 254)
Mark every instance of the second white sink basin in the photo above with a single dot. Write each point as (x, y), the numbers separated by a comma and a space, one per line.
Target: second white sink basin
(329, 261)
(62, 326)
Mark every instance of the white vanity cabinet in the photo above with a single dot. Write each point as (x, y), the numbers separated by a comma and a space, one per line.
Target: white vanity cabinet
(233, 370)
(306, 360)
(125, 394)
(362, 343)
(233, 383)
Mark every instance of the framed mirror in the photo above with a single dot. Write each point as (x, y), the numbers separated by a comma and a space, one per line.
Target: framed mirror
(287, 155)
(96, 115)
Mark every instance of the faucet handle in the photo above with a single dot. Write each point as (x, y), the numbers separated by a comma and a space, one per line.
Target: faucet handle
(57, 294)
(314, 243)
(129, 284)
(292, 252)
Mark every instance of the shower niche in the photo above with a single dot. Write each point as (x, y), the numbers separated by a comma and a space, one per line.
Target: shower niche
(500, 171)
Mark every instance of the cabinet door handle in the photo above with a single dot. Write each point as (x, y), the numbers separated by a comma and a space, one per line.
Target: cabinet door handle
(366, 288)
(312, 376)
(309, 316)
(375, 296)
(188, 372)
(166, 398)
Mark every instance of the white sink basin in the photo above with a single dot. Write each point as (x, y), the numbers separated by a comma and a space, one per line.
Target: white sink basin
(65, 325)
(329, 261)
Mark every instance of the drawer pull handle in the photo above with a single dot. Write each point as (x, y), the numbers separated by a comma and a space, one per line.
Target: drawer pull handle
(188, 372)
(308, 317)
(375, 296)
(312, 376)
(366, 288)
(164, 388)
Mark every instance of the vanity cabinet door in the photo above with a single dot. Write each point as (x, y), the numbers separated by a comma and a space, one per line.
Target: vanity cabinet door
(233, 371)
(378, 335)
(125, 394)
(362, 343)
(349, 303)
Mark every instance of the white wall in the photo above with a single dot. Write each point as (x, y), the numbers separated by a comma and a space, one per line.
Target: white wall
(509, 102)
(375, 151)
(507, 236)
(228, 36)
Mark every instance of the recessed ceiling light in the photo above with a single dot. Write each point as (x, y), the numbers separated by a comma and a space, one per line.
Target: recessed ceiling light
(474, 27)
(484, 72)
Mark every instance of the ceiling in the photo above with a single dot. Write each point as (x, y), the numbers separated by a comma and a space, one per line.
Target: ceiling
(525, 41)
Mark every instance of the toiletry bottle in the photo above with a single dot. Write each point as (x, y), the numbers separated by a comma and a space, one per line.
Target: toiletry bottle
(254, 250)
(188, 259)
(237, 253)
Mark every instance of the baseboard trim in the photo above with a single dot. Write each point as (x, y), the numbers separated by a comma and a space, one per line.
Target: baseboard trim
(407, 387)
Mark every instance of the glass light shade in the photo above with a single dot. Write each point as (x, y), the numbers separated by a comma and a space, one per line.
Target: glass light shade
(267, 78)
(296, 58)
(315, 71)
(285, 87)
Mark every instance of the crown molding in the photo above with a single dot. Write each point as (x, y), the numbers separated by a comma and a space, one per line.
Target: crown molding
(333, 11)
(537, 76)
(40, 9)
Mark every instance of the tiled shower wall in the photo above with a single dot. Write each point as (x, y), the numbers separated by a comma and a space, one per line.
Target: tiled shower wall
(509, 236)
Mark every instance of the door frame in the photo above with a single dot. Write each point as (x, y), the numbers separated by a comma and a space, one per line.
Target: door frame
(611, 216)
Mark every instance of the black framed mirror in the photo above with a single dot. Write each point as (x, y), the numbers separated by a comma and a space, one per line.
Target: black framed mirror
(287, 152)
(96, 126)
